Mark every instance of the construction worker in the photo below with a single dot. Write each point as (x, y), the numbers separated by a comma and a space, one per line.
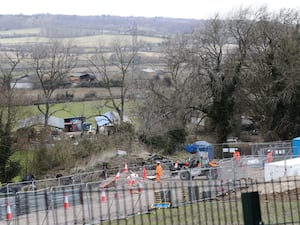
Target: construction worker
(236, 154)
(158, 171)
(269, 156)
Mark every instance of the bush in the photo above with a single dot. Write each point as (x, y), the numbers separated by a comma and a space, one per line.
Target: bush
(12, 168)
(125, 128)
(169, 142)
(178, 135)
(91, 94)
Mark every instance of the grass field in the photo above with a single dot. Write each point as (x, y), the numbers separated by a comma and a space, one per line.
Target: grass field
(28, 32)
(215, 212)
(88, 109)
(87, 41)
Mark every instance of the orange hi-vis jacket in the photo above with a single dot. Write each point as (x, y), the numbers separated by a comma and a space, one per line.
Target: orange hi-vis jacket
(158, 170)
(236, 155)
(270, 156)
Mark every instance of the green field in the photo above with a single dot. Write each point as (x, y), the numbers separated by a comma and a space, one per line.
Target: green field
(88, 109)
(28, 32)
(86, 41)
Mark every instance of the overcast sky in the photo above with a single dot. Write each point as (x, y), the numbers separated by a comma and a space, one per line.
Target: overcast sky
(197, 9)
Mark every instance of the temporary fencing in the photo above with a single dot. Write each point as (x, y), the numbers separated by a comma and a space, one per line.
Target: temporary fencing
(134, 199)
(189, 202)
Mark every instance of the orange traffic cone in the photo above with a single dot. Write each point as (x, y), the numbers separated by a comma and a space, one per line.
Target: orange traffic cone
(126, 168)
(8, 211)
(117, 176)
(103, 196)
(66, 201)
(144, 173)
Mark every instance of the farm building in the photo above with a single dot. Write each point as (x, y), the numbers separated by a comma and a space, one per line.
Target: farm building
(78, 79)
(74, 124)
(106, 121)
(23, 82)
(40, 120)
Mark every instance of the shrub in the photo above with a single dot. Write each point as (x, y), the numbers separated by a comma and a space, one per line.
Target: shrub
(170, 142)
(91, 94)
(178, 135)
(12, 169)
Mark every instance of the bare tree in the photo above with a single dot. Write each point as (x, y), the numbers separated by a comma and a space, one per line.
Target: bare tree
(195, 69)
(272, 75)
(205, 69)
(52, 62)
(168, 100)
(8, 112)
(115, 66)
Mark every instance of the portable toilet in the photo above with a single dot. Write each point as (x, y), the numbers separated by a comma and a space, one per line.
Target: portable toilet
(296, 147)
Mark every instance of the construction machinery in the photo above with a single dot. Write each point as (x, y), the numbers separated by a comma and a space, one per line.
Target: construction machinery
(198, 166)
(200, 163)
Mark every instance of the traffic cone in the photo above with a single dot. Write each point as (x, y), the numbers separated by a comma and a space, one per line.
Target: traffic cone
(117, 175)
(103, 196)
(144, 173)
(130, 190)
(126, 168)
(140, 189)
(8, 211)
(66, 201)
(130, 183)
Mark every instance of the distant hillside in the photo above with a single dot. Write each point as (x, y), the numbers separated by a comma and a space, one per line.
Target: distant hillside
(76, 26)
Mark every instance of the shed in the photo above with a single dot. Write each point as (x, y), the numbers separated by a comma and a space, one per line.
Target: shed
(74, 124)
(296, 147)
(201, 148)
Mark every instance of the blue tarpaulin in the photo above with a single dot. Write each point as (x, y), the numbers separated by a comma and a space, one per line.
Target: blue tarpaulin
(201, 147)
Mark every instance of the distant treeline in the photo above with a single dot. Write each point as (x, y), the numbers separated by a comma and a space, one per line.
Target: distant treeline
(75, 26)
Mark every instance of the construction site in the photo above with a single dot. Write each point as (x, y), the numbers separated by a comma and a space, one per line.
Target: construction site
(123, 195)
